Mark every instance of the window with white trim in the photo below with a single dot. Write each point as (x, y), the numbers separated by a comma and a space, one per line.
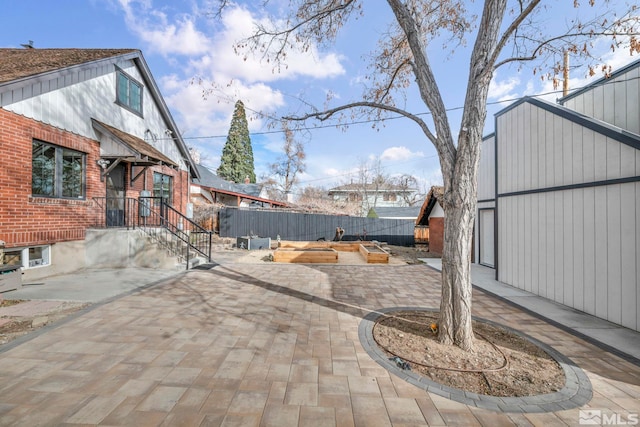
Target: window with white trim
(35, 256)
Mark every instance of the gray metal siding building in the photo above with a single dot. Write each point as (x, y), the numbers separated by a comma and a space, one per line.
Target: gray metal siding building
(567, 199)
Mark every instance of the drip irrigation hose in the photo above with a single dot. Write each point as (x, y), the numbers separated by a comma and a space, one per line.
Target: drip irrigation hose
(482, 371)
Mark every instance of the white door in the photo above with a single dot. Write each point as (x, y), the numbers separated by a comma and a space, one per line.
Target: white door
(486, 237)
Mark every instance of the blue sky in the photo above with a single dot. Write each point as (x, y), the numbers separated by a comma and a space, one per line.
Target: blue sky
(182, 44)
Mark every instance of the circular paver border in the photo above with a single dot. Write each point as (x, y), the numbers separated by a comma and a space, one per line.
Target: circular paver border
(576, 392)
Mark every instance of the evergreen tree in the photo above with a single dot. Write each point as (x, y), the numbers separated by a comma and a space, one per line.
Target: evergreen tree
(236, 162)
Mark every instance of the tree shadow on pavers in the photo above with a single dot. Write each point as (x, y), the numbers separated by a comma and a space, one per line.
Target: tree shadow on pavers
(210, 300)
(351, 304)
(235, 275)
(576, 392)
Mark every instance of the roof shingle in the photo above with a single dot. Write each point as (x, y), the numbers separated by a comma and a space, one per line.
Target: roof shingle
(20, 63)
(136, 143)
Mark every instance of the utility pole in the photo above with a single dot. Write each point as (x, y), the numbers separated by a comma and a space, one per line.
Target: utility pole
(565, 74)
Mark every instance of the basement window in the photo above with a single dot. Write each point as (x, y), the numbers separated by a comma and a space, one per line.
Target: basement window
(36, 256)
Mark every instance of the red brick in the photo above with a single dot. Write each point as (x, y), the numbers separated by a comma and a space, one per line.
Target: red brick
(26, 220)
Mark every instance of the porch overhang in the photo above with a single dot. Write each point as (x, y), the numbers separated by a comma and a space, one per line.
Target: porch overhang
(109, 162)
(120, 146)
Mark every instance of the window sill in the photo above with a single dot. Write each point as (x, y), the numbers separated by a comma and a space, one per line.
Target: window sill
(55, 201)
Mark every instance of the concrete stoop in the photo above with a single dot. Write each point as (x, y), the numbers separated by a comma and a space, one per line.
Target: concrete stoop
(175, 249)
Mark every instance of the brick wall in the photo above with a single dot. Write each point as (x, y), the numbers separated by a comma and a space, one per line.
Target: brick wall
(145, 181)
(436, 235)
(27, 220)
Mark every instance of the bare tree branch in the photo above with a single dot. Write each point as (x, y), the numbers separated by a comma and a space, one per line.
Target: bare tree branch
(510, 31)
(428, 87)
(402, 59)
(327, 114)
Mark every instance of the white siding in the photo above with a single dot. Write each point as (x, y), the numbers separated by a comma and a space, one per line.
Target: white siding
(615, 101)
(437, 211)
(486, 170)
(579, 247)
(486, 192)
(562, 152)
(70, 101)
(587, 252)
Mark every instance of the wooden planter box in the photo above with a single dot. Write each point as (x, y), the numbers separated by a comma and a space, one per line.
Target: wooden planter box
(338, 246)
(374, 254)
(306, 255)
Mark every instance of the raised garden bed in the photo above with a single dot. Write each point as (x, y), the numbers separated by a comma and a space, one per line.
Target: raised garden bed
(374, 254)
(306, 255)
(338, 246)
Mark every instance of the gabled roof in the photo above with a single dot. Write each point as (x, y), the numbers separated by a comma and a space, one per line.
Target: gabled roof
(409, 212)
(613, 132)
(18, 67)
(16, 64)
(435, 195)
(213, 182)
(139, 146)
(601, 81)
(372, 188)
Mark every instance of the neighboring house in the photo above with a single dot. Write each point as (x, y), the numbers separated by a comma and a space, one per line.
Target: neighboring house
(369, 196)
(409, 213)
(430, 221)
(78, 126)
(209, 188)
(559, 198)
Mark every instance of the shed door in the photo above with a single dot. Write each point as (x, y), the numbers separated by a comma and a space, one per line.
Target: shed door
(486, 225)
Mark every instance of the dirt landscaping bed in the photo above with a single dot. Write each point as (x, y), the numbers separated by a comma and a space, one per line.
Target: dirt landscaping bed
(502, 364)
(14, 324)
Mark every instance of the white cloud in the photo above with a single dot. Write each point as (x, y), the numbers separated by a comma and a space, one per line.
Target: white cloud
(213, 56)
(212, 116)
(503, 89)
(399, 154)
(224, 63)
(274, 142)
(203, 50)
(155, 28)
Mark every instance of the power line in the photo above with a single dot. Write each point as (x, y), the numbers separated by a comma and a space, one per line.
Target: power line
(355, 172)
(428, 113)
(346, 174)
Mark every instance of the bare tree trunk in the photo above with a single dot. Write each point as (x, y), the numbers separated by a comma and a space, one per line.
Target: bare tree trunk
(460, 203)
(455, 305)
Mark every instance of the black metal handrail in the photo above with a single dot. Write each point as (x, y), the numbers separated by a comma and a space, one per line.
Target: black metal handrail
(156, 218)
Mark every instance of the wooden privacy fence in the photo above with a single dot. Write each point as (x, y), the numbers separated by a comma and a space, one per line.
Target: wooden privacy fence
(421, 234)
(234, 222)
